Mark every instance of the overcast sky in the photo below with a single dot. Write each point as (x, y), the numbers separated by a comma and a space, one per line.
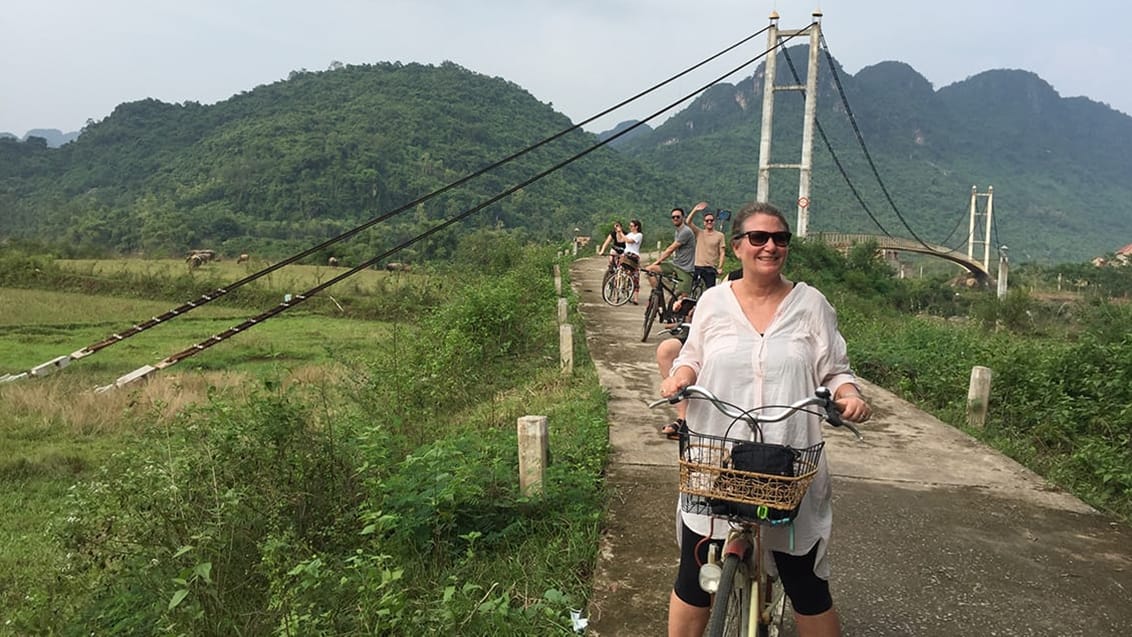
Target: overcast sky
(63, 62)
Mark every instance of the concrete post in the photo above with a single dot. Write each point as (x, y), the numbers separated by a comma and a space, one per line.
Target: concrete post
(978, 396)
(562, 308)
(532, 454)
(566, 348)
(1003, 271)
(557, 280)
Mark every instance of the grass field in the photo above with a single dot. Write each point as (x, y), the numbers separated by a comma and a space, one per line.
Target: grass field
(56, 430)
(39, 325)
(291, 279)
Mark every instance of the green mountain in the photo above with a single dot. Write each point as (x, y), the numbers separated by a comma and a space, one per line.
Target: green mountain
(1059, 166)
(285, 166)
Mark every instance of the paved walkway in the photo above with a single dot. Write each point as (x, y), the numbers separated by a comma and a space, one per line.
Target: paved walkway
(934, 533)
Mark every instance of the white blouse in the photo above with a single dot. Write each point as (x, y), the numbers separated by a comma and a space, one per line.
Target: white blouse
(633, 242)
(801, 350)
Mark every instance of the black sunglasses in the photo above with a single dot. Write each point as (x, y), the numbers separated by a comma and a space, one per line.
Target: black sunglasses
(760, 237)
(677, 217)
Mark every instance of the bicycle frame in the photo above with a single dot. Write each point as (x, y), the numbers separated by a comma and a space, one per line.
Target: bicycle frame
(618, 286)
(660, 304)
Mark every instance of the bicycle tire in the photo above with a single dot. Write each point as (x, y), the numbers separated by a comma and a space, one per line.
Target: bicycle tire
(698, 287)
(607, 288)
(650, 313)
(730, 614)
(609, 272)
(627, 288)
(619, 289)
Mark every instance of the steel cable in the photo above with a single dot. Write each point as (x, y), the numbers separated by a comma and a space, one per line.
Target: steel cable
(301, 298)
(208, 297)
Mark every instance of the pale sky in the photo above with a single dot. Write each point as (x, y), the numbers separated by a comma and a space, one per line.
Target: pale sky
(65, 61)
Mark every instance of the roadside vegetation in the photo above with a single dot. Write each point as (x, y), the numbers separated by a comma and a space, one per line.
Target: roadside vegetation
(351, 468)
(363, 486)
(1057, 345)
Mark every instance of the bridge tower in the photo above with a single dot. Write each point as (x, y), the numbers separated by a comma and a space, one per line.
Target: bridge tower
(810, 90)
(981, 225)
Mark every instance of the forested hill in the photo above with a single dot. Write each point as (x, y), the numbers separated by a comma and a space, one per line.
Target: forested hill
(283, 166)
(1060, 167)
(286, 165)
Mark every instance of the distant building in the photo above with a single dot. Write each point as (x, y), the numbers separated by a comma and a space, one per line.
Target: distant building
(1123, 255)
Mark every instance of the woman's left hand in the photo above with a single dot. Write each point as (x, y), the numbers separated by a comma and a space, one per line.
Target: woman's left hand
(853, 408)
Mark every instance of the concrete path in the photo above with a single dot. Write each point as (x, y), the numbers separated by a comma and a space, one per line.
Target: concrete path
(934, 534)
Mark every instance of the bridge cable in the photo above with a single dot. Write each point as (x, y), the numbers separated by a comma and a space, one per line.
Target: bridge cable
(961, 241)
(296, 300)
(868, 156)
(833, 155)
(62, 361)
(997, 239)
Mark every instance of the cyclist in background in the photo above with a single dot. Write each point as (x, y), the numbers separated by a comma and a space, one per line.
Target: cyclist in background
(710, 251)
(762, 340)
(616, 246)
(631, 257)
(683, 253)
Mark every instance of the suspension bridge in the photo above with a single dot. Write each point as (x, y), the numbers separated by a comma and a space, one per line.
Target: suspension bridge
(843, 240)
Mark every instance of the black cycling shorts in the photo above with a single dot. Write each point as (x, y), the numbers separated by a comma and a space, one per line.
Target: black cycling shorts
(808, 593)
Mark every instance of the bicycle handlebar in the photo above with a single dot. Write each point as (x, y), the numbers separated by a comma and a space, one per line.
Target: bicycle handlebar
(674, 330)
(822, 398)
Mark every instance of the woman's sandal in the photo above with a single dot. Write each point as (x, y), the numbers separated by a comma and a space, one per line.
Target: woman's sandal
(672, 429)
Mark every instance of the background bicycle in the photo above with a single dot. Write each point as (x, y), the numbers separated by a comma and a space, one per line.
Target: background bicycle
(618, 285)
(698, 285)
(662, 303)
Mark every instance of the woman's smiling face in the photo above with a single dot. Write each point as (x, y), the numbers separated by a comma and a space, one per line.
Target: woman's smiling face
(768, 258)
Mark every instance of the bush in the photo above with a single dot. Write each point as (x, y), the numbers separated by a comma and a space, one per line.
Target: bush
(174, 529)
(391, 510)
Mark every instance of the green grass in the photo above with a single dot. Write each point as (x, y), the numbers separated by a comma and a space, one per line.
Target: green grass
(292, 279)
(325, 411)
(55, 431)
(37, 326)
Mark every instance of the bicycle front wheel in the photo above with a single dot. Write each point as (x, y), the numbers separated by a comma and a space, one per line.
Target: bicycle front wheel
(650, 313)
(731, 611)
(618, 289)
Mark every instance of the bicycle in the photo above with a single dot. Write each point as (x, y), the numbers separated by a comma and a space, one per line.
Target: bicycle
(617, 285)
(614, 261)
(662, 303)
(736, 479)
(698, 285)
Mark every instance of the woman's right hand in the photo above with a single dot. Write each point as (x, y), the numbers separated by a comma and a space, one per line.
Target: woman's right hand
(671, 386)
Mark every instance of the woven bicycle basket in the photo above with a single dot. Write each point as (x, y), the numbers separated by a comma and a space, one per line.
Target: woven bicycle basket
(713, 482)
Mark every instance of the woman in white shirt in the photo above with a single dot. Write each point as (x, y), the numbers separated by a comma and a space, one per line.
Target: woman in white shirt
(765, 340)
(632, 256)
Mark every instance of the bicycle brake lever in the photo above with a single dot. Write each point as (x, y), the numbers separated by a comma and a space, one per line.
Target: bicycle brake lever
(833, 416)
(677, 397)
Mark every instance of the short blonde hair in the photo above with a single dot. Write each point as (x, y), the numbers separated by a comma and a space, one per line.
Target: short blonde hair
(756, 208)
